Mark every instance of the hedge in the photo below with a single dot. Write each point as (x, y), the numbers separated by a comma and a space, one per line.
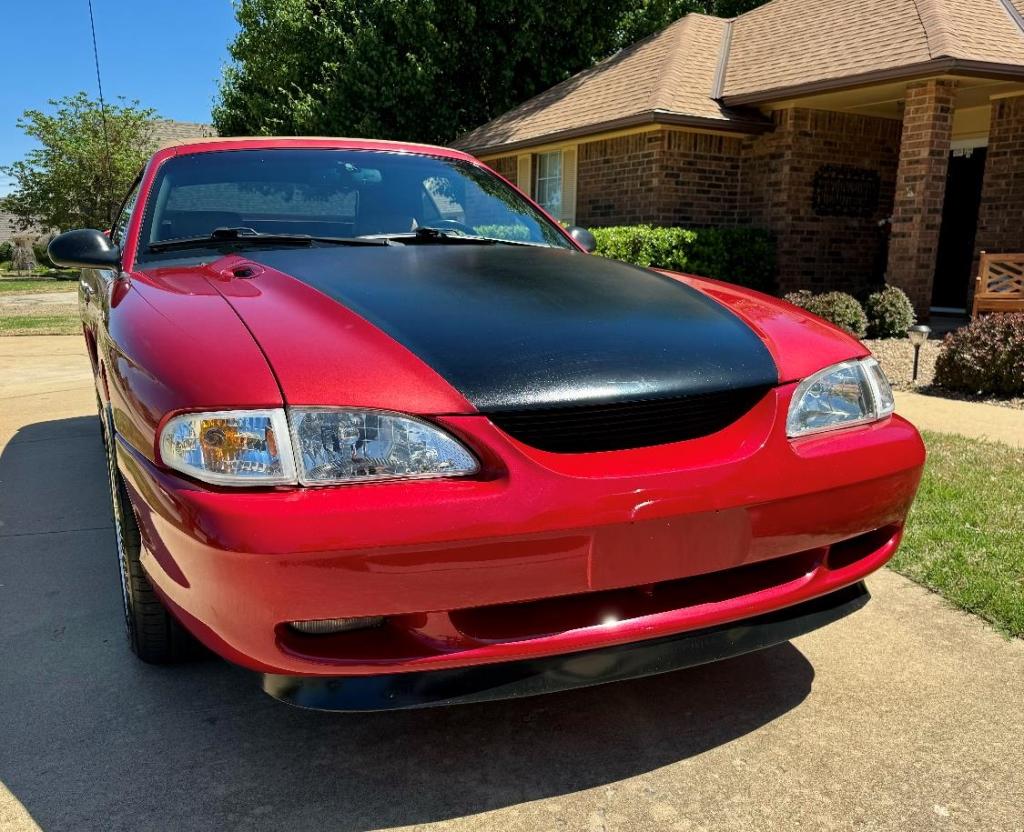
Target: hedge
(738, 255)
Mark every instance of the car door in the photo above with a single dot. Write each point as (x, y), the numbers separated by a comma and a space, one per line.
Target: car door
(96, 285)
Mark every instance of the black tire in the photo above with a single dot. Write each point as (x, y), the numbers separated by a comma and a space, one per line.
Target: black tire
(154, 635)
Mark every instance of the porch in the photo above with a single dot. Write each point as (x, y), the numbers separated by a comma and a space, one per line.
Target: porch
(959, 189)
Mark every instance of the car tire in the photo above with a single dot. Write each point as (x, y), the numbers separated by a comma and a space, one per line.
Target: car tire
(154, 635)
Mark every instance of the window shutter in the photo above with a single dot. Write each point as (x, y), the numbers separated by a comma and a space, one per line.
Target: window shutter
(524, 173)
(569, 186)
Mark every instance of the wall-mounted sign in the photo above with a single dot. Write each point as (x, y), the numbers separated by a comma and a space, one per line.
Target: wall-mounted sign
(846, 191)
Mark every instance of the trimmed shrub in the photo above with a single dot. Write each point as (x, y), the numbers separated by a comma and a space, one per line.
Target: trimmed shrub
(745, 256)
(890, 313)
(39, 245)
(986, 357)
(22, 258)
(838, 308)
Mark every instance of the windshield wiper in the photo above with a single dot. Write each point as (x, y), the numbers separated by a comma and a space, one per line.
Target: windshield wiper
(442, 236)
(250, 235)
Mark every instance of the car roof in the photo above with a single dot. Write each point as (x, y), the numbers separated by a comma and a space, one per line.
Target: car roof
(181, 147)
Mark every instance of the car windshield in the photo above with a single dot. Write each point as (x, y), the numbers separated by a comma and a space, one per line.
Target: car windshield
(332, 193)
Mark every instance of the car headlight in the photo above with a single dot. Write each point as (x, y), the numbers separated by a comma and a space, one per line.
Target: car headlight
(339, 446)
(309, 447)
(849, 393)
(230, 447)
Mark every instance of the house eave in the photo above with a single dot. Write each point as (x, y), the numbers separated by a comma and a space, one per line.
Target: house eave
(910, 72)
(652, 117)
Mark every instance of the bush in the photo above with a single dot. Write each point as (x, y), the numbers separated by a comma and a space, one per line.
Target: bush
(39, 245)
(6, 251)
(986, 357)
(890, 313)
(838, 308)
(22, 257)
(738, 255)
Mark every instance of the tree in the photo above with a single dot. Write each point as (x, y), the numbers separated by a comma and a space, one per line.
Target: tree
(82, 170)
(648, 16)
(425, 70)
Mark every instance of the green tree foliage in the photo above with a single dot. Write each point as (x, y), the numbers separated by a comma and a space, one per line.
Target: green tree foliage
(640, 19)
(72, 179)
(424, 70)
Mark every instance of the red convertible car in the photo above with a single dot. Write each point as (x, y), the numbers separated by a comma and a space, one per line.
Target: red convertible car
(380, 429)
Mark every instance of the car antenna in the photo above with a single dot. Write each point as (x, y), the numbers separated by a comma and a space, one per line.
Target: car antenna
(103, 109)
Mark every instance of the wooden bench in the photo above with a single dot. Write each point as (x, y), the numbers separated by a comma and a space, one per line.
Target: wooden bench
(1000, 284)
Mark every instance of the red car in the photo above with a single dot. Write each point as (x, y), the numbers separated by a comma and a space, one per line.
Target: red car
(380, 429)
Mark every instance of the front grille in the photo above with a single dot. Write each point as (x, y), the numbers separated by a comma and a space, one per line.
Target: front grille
(635, 424)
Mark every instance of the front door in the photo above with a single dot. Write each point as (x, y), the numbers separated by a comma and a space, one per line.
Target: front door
(959, 224)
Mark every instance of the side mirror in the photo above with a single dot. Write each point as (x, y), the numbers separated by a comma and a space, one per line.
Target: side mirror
(583, 237)
(84, 248)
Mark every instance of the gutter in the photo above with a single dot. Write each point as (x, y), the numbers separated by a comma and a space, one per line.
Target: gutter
(938, 66)
(750, 126)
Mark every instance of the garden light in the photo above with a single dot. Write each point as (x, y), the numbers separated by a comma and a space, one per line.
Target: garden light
(918, 335)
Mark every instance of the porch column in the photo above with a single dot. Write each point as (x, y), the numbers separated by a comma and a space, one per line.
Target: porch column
(920, 189)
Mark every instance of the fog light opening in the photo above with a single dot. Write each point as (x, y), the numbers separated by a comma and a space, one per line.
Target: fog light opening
(329, 626)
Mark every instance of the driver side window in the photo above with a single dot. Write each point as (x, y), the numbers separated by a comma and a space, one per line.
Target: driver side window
(120, 227)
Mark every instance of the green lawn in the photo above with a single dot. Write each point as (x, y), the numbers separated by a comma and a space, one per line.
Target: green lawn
(965, 535)
(40, 324)
(29, 284)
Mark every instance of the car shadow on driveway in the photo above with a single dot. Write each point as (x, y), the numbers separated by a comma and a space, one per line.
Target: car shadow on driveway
(91, 738)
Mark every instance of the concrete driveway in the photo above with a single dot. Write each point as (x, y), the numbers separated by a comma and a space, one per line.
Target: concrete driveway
(906, 716)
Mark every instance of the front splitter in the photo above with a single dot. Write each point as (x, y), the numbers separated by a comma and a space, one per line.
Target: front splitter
(531, 677)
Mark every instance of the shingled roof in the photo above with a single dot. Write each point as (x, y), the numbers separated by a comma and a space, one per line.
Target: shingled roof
(167, 131)
(703, 71)
(790, 46)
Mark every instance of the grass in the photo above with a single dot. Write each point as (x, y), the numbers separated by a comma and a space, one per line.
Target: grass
(965, 535)
(29, 284)
(40, 324)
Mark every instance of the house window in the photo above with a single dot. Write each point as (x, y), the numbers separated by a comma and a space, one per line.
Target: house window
(547, 189)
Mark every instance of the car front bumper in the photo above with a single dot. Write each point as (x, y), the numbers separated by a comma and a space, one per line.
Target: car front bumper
(540, 555)
(531, 677)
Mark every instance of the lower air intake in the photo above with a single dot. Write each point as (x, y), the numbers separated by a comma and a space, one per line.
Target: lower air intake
(622, 425)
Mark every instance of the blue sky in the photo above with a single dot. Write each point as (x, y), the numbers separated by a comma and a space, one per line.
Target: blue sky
(166, 54)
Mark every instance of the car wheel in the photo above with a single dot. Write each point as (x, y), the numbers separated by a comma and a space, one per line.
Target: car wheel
(154, 635)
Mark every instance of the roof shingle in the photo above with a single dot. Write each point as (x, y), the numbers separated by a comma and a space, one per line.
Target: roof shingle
(671, 72)
(784, 45)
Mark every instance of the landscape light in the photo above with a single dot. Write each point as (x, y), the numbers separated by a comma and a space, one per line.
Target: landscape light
(918, 335)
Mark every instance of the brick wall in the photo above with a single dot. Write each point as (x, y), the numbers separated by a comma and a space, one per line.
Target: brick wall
(675, 177)
(700, 179)
(617, 180)
(662, 177)
(921, 188)
(506, 166)
(1001, 218)
(777, 191)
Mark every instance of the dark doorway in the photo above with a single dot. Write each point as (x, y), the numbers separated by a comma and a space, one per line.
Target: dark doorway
(959, 224)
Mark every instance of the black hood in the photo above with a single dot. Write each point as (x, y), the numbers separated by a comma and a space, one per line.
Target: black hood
(516, 328)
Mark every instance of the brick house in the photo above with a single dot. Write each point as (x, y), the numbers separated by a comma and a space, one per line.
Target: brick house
(876, 138)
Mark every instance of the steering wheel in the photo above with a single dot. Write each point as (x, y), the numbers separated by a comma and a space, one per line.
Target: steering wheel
(454, 225)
